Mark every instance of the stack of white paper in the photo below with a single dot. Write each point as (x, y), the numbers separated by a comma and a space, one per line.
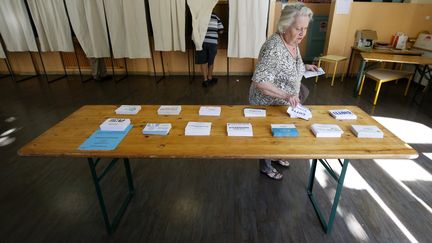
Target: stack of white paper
(343, 114)
(309, 74)
(198, 129)
(128, 109)
(367, 131)
(326, 130)
(157, 129)
(249, 112)
(210, 111)
(300, 112)
(115, 124)
(239, 129)
(169, 110)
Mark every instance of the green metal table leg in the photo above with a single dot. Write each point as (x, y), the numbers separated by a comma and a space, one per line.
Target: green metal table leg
(359, 77)
(111, 226)
(327, 226)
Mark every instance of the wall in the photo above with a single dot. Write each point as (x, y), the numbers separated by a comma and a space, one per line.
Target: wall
(319, 9)
(385, 18)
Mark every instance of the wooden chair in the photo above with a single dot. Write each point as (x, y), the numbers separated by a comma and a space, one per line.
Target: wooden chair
(382, 75)
(332, 59)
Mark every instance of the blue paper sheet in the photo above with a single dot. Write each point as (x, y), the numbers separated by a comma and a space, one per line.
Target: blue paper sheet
(104, 140)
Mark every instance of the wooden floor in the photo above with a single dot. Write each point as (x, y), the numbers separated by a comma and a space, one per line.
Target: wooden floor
(53, 199)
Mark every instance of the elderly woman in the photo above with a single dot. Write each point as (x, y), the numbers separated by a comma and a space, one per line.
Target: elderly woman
(279, 70)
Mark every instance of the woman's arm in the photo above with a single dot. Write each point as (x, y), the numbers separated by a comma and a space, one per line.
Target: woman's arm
(271, 90)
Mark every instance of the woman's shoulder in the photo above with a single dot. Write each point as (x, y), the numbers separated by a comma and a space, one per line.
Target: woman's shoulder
(273, 43)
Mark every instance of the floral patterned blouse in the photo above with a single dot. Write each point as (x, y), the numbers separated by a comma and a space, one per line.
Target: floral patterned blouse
(278, 67)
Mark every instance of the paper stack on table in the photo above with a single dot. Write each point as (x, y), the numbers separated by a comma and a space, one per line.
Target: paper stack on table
(115, 124)
(157, 129)
(326, 130)
(198, 129)
(309, 74)
(250, 112)
(284, 130)
(210, 111)
(169, 110)
(239, 129)
(343, 114)
(300, 112)
(367, 131)
(128, 109)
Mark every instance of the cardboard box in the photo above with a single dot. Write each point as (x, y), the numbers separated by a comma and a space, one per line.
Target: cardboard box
(365, 38)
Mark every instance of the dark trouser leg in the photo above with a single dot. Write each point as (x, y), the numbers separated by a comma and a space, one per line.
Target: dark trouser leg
(265, 164)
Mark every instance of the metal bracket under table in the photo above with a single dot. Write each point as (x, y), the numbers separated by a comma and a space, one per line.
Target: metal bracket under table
(111, 226)
(327, 226)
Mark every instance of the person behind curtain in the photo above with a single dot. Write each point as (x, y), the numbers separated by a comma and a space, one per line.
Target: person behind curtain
(206, 56)
(98, 69)
(280, 68)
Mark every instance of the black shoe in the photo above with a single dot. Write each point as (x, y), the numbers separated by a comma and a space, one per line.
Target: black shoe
(98, 80)
(206, 83)
(107, 77)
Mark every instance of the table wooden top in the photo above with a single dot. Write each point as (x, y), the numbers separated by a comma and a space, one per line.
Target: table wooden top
(63, 139)
(379, 57)
(388, 51)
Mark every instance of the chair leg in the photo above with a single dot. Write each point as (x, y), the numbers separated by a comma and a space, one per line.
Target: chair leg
(409, 82)
(361, 85)
(377, 93)
(334, 72)
(319, 65)
(343, 72)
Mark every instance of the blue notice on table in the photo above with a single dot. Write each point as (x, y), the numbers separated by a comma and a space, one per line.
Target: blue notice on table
(104, 140)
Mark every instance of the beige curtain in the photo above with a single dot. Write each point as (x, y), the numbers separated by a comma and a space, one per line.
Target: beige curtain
(247, 27)
(88, 22)
(2, 54)
(201, 11)
(128, 28)
(15, 26)
(52, 25)
(168, 22)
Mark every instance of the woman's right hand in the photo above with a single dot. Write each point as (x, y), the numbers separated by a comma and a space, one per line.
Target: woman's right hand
(293, 100)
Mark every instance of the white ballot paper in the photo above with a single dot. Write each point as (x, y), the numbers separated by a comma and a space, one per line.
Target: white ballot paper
(309, 74)
(300, 112)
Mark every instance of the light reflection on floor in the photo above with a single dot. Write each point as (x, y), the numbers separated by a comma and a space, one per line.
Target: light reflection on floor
(355, 181)
(406, 170)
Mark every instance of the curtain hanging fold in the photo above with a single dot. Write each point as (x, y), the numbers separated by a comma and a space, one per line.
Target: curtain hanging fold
(2, 54)
(168, 23)
(15, 26)
(52, 25)
(247, 27)
(201, 11)
(128, 28)
(88, 23)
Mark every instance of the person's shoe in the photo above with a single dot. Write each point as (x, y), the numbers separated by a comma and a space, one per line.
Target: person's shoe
(98, 80)
(272, 173)
(207, 83)
(282, 162)
(107, 77)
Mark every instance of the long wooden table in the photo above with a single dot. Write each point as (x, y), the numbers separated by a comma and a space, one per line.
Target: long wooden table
(357, 50)
(421, 64)
(63, 140)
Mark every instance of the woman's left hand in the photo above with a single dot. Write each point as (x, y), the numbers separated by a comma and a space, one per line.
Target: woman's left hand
(310, 67)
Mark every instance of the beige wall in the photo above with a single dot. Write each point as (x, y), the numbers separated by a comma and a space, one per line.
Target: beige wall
(385, 18)
(319, 9)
